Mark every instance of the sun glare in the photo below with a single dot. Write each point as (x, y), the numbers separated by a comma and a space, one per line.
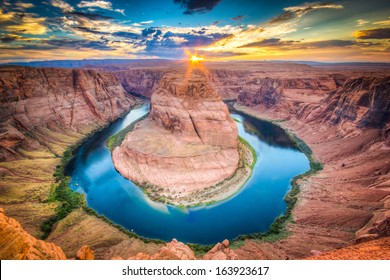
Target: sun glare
(195, 59)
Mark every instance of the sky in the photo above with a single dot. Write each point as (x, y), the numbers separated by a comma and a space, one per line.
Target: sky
(338, 31)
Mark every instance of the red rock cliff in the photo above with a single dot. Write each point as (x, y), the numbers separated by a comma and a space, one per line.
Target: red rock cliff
(17, 244)
(32, 98)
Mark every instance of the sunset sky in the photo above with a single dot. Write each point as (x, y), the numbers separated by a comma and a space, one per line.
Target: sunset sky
(355, 30)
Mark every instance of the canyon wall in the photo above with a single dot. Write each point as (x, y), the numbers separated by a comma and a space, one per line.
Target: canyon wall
(43, 112)
(140, 81)
(35, 99)
(348, 201)
(365, 101)
(250, 83)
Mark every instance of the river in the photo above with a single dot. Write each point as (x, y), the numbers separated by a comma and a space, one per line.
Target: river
(252, 209)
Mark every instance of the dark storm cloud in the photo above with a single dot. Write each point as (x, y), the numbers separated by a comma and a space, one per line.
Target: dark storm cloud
(89, 30)
(220, 54)
(78, 44)
(28, 47)
(379, 33)
(286, 16)
(276, 42)
(8, 38)
(90, 16)
(124, 34)
(62, 44)
(196, 39)
(271, 42)
(296, 12)
(150, 30)
(197, 6)
(238, 18)
(330, 43)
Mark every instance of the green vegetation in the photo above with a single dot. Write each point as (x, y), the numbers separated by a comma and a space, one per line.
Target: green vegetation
(67, 199)
(200, 249)
(246, 143)
(278, 230)
(117, 139)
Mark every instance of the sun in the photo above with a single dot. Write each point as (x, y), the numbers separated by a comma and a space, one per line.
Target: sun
(195, 59)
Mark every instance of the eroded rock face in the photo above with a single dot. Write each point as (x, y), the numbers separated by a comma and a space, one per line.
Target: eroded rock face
(173, 250)
(17, 244)
(192, 109)
(373, 250)
(378, 226)
(54, 99)
(364, 101)
(221, 251)
(140, 81)
(176, 250)
(85, 253)
(187, 143)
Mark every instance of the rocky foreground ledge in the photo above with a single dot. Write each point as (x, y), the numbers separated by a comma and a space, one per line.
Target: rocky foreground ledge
(187, 146)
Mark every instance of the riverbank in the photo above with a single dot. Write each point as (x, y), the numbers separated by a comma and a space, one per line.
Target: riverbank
(46, 206)
(334, 205)
(278, 229)
(267, 147)
(218, 192)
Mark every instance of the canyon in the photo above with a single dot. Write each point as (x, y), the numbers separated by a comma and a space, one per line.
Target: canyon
(342, 113)
(187, 145)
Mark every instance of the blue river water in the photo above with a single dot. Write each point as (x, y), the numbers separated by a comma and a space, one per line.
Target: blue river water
(252, 209)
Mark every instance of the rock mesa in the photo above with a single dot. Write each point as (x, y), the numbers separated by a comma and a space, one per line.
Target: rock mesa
(187, 143)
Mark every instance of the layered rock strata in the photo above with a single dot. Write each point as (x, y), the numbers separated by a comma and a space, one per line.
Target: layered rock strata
(37, 99)
(17, 244)
(188, 142)
(43, 111)
(348, 201)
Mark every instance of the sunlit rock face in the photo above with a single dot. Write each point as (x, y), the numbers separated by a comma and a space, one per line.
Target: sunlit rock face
(188, 142)
(35, 101)
(17, 244)
(191, 108)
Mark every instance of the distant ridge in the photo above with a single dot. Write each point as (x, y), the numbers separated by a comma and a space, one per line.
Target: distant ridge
(145, 62)
(85, 62)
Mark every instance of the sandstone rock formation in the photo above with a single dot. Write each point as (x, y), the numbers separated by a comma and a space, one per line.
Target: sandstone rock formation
(378, 226)
(140, 81)
(176, 250)
(372, 250)
(36, 99)
(365, 101)
(17, 244)
(188, 142)
(173, 250)
(85, 253)
(221, 251)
